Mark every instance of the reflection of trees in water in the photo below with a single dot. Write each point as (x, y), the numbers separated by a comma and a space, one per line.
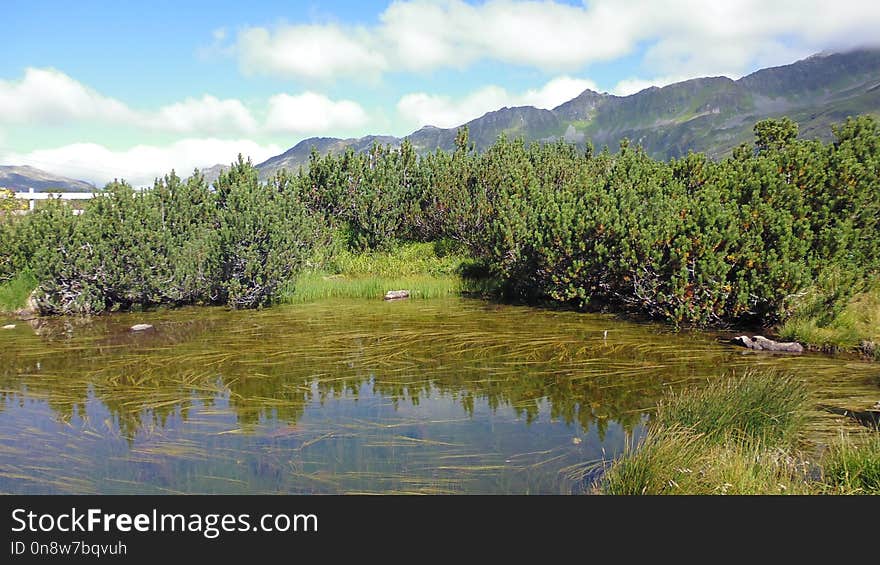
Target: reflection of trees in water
(150, 391)
(271, 365)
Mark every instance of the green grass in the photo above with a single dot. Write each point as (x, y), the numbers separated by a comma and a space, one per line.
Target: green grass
(311, 287)
(855, 327)
(853, 466)
(732, 436)
(680, 461)
(738, 436)
(764, 407)
(14, 292)
(426, 270)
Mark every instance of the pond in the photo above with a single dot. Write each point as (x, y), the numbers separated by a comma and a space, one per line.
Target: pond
(355, 396)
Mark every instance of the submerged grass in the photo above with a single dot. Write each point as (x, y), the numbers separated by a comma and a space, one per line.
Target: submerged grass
(14, 292)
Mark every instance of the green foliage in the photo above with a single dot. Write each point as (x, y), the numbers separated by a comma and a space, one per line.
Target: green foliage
(179, 243)
(9, 203)
(265, 235)
(757, 407)
(690, 241)
(427, 270)
(855, 325)
(853, 466)
(774, 133)
(14, 292)
(729, 437)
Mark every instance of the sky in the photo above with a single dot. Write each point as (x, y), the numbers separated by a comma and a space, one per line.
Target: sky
(98, 90)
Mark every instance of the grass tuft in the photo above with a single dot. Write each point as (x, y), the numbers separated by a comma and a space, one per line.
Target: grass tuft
(855, 326)
(853, 466)
(14, 292)
(729, 437)
(758, 406)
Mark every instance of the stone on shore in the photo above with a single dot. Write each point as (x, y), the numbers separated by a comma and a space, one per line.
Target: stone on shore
(761, 343)
(396, 294)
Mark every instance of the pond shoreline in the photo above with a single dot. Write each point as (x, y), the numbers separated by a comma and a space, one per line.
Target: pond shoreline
(325, 286)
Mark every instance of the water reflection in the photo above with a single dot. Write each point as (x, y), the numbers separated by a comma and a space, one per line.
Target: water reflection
(347, 396)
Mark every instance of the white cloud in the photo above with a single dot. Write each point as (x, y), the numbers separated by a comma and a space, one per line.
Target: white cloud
(206, 115)
(559, 90)
(140, 164)
(51, 98)
(310, 113)
(632, 85)
(311, 51)
(443, 111)
(686, 37)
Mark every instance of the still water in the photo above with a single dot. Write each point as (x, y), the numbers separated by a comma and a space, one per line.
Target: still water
(354, 396)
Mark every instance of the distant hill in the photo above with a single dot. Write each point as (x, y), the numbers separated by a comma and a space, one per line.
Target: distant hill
(20, 179)
(213, 173)
(298, 155)
(710, 114)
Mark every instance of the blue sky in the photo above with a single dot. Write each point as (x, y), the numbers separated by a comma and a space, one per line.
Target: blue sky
(100, 89)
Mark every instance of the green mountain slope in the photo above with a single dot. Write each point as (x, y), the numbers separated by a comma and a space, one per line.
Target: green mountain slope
(710, 114)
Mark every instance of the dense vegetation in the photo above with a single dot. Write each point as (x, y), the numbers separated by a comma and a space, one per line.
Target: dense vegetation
(739, 436)
(751, 238)
(179, 243)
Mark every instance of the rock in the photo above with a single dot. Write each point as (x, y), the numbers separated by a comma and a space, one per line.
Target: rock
(141, 327)
(869, 418)
(396, 294)
(761, 343)
(9, 327)
(31, 309)
(25, 314)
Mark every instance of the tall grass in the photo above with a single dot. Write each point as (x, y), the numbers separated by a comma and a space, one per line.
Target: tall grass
(730, 437)
(762, 406)
(853, 466)
(426, 270)
(14, 292)
(313, 286)
(679, 461)
(855, 326)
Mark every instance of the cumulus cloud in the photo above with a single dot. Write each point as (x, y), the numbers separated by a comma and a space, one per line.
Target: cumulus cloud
(310, 112)
(682, 36)
(310, 51)
(632, 85)
(421, 108)
(50, 97)
(207, 115)
(140, 164)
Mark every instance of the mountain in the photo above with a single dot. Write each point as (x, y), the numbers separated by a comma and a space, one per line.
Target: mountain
(20, 179)
(709, 114)
(298, 155)
(213, 173)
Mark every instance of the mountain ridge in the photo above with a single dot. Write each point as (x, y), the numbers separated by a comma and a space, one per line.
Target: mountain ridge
(708, 114)
(20, 178)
